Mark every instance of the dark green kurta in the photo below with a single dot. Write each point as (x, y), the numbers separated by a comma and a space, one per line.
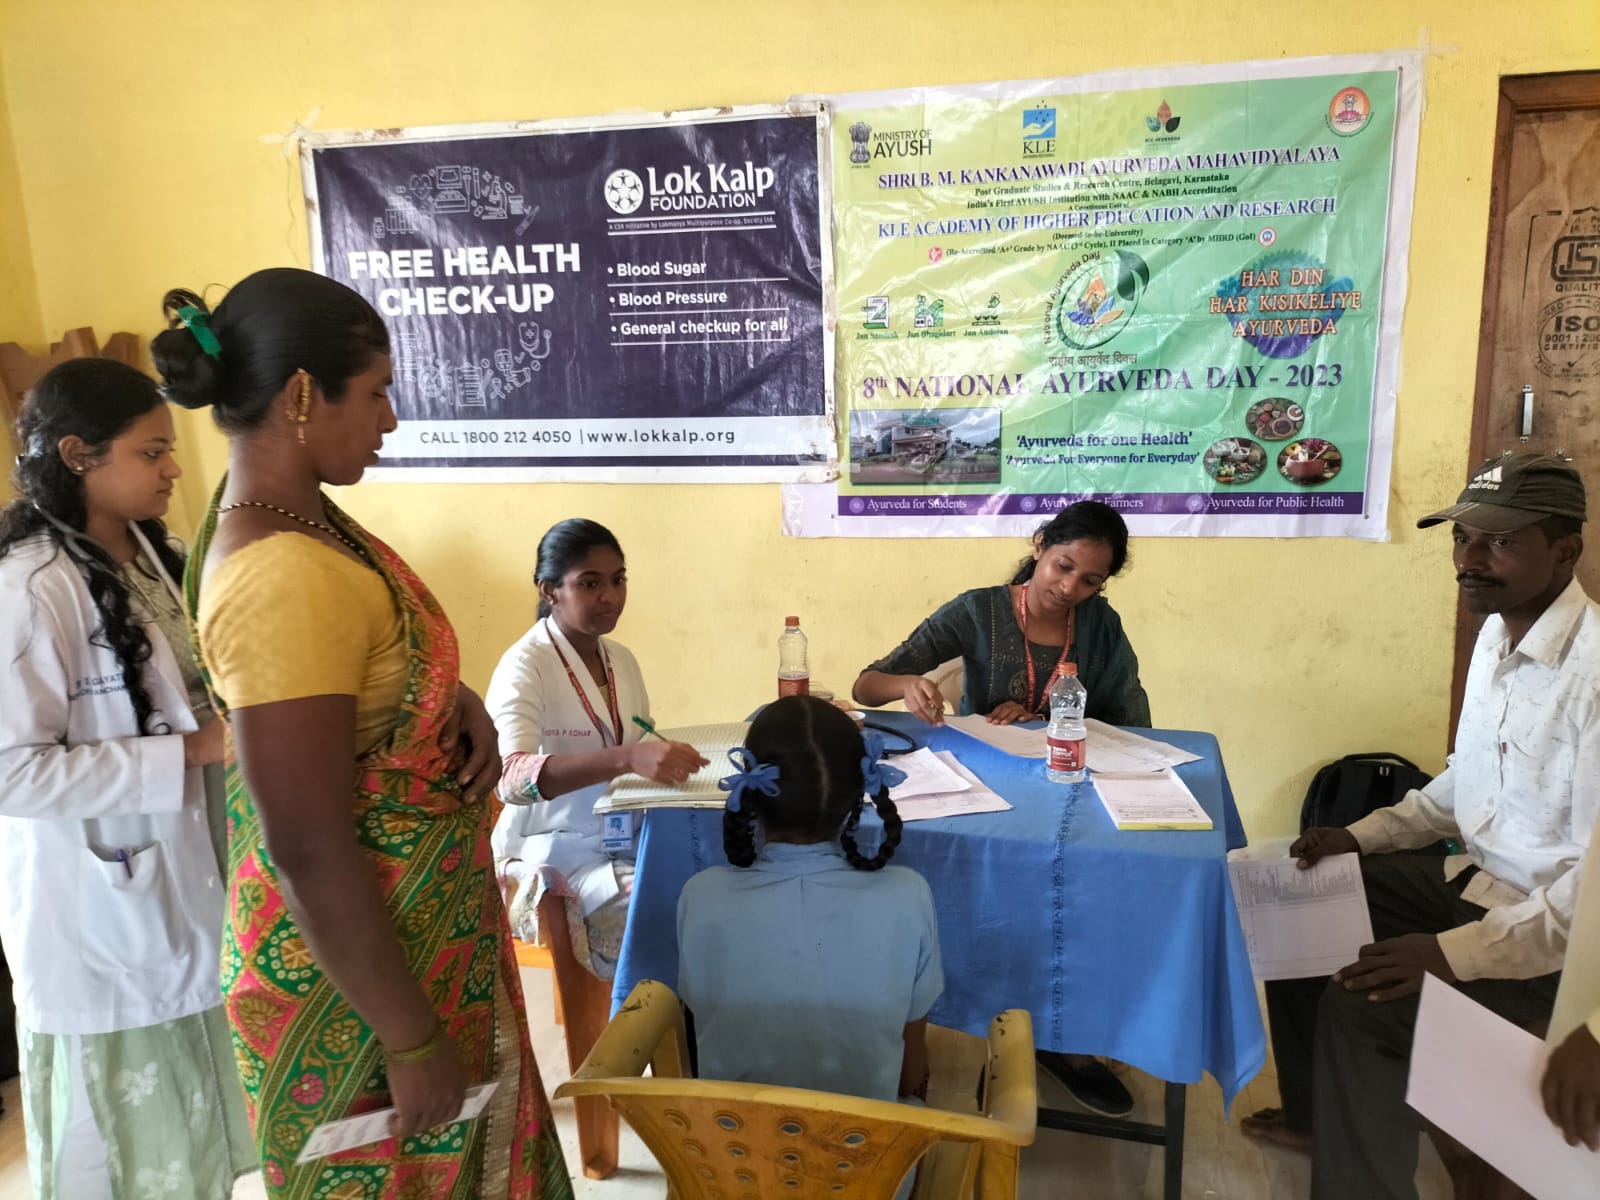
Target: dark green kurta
(980, 628)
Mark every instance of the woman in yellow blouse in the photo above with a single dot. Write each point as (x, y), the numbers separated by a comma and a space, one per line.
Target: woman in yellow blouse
(367, 961)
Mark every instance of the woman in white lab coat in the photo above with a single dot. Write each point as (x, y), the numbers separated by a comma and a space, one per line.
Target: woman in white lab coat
(564, 699)
(111, 844)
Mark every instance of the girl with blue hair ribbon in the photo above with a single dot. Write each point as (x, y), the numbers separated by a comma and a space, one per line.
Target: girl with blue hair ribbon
(808, 962)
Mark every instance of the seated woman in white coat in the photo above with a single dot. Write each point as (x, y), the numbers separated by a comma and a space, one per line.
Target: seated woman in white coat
(111, 841)
(564, 699)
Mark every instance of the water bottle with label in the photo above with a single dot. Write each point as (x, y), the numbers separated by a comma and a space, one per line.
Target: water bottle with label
(794, 675)
(1066, 731)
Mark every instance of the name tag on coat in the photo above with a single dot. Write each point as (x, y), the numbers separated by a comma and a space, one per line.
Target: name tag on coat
(616, 832)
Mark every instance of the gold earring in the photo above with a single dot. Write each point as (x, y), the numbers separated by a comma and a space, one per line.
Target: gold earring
(305, 408)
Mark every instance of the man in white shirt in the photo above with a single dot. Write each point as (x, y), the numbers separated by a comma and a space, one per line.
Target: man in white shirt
(1520, 794)
(1572, 1076)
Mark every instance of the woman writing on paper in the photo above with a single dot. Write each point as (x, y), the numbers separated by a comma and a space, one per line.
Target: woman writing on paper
(1013, 641)
(1016, 638)
(564, 699)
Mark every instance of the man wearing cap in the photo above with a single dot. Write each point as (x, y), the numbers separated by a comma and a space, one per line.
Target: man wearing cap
(1520, 794)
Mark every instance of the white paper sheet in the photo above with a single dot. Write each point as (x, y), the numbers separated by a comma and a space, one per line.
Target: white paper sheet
(1264, 849)
(1149, 800)
(699, 790)
(926, 775)
(974, 798)
(1023, 743)
(1476, 1076)
(1109, 749)
(370, 1127)
(1118, 750)
(1299, 924)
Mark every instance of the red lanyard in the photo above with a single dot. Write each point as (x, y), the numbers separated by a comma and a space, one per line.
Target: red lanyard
(611, 695)
(1027, 654)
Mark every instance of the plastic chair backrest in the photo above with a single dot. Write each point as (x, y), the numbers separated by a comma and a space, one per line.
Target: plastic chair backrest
(719, 1140)
(951, 680)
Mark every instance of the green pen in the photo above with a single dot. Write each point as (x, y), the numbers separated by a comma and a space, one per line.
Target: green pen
(649, 728)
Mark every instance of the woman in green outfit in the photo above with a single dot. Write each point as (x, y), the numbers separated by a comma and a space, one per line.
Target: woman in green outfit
(1014, 640)
(111, 833)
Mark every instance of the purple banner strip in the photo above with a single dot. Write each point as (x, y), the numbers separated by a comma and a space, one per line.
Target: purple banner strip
(1049, 503)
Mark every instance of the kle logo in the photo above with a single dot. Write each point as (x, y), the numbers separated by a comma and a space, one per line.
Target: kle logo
(1038, 132)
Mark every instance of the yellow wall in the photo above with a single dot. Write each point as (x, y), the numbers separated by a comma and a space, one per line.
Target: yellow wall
(19, 294)
(137, 130)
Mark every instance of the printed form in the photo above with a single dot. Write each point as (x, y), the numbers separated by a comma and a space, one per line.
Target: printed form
(1143, 800)
(971, 795)
(1301, 923)
(926, 774)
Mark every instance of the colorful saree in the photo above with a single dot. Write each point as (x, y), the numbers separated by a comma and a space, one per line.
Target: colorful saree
(304, 1056)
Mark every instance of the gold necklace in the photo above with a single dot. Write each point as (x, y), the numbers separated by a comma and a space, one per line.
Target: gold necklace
(284, 512)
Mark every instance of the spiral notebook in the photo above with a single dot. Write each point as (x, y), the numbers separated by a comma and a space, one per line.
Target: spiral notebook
(700, 790)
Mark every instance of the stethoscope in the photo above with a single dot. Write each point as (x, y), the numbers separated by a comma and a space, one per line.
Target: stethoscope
(889, 732)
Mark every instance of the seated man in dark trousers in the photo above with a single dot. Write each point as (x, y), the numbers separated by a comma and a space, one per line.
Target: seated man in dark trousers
(1520, 793)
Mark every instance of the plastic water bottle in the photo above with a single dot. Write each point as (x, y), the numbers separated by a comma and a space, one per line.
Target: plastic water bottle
(1066, 732)
(794, 676)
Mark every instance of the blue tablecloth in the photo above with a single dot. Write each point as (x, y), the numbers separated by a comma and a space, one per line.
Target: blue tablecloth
(1123, 944)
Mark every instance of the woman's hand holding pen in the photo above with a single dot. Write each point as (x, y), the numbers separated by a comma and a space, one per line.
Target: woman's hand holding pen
(923, 699)
(664, 761)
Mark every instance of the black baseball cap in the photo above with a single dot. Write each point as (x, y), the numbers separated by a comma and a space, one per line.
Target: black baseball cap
(1514, 491)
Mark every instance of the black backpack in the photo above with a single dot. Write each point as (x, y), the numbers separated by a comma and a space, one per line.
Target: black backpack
(1349, 788)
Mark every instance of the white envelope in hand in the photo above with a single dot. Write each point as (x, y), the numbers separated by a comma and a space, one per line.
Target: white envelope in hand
(369, 1127)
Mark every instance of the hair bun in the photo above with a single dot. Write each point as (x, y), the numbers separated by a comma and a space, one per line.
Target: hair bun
(190, 377)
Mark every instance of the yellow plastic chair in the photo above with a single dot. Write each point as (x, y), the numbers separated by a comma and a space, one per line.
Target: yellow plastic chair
(717, 1140)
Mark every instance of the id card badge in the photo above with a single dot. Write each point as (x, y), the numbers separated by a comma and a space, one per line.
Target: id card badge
(616, 832)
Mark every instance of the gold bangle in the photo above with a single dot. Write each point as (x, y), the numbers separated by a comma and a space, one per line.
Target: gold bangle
(431, 1048)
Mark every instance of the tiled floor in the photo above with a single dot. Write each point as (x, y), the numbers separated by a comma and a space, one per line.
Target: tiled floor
(1219, 1162)
(13, 1152)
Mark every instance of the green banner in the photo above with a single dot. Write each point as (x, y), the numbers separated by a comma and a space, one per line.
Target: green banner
(1167, 297)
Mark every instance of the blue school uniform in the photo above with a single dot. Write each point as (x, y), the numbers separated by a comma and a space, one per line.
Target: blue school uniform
(803, 971)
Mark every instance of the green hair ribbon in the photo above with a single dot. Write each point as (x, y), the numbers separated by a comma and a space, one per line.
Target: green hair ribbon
(199, 324)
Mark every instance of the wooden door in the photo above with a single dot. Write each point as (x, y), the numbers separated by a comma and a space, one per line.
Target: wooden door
(1538, 384)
